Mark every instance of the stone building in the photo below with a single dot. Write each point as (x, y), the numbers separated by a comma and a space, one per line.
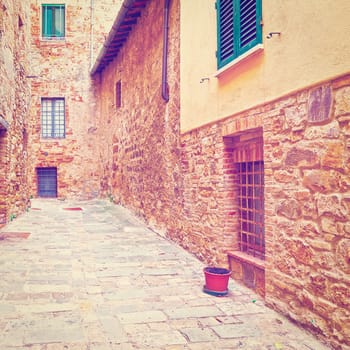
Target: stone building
(64, 148)
(14, 108)
(246, 161)
(138, 99)
(265, 148)
(226, 128)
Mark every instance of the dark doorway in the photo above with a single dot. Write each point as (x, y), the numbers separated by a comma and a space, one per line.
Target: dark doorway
(47, 182)
(4, 164)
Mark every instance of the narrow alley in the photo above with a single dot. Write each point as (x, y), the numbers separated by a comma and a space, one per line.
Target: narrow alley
(90, 276)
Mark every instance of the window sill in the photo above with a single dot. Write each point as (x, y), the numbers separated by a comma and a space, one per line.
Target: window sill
(246, 258)
(53, 39)
(51, 139)
(252, 52)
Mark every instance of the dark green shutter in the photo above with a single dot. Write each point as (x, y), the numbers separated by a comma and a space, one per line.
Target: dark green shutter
(239, 28)
(225, 20)
(249, 24)
(47, 21)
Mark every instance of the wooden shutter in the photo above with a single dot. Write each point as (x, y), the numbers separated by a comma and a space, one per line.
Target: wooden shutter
(225, 21)
(239, 28)
(249, 24)
(46, 21)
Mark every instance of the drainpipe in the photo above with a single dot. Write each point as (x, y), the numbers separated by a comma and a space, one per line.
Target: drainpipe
(92, 34)
(165, 87)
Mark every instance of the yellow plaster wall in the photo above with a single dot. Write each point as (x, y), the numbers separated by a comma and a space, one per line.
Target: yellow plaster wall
(314, 46)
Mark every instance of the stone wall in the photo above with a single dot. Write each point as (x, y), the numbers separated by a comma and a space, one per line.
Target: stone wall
(307, 203)
(141, 150)
(14, 104)
(208, 212)
(186, 185)
(308, 208)
(61, 68)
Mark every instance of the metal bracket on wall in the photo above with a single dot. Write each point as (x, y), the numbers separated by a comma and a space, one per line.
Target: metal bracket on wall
(204, 79)
(271, 34)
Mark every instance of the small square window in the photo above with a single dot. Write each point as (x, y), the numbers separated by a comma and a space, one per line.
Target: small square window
(53, 21)
(20, 22)
(118, 94)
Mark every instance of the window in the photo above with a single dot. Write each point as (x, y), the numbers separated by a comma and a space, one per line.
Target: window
(118, 94)
(20, 22)
(53, 21)
(52, 118)
(239, 28)
(251, 205)
(47, 182)
(247, 152)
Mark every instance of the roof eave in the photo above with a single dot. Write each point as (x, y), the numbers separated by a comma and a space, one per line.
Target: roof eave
(101, 61)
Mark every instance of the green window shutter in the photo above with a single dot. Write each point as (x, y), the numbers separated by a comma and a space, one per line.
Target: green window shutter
(53, 21)
(225, 21)
(47, 21)
(239, 28)
(250, 33)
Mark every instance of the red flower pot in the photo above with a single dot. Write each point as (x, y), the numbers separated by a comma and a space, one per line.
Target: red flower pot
(216, 280)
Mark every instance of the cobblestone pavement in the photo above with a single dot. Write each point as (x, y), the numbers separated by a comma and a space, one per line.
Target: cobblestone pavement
(97, 279)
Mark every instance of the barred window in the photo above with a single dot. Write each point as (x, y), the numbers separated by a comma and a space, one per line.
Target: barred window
(52, 117)
(251, 205)
(248, 157)
(47, 182)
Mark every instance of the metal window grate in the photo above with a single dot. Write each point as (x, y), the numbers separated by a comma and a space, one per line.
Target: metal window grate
(251, 203)
(47, 182)
(52, 117)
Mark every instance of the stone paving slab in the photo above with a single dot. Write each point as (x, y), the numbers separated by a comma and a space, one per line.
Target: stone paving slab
(98, 279)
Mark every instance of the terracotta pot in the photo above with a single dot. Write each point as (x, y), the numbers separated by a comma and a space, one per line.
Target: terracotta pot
(216, 280)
